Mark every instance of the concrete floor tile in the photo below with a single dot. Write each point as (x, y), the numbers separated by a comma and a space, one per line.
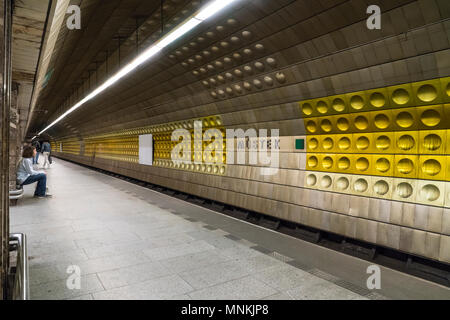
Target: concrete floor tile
(260, 263)
(132, 274)
(177, 250)
(193, 261)
(321, 290)
(282, 277)
(160, 288)
(211, 275)
(279, 296)
(244, 288)
(58, 290)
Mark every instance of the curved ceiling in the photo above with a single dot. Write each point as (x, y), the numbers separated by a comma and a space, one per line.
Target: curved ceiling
(250, 64)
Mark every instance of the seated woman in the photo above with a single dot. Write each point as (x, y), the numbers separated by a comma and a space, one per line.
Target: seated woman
(27, 175)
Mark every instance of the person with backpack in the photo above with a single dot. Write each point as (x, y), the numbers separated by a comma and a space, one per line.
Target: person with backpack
(37, 146)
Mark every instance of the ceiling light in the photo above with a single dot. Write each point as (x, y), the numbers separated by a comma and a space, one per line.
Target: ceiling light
(212, 8)
(207, 11)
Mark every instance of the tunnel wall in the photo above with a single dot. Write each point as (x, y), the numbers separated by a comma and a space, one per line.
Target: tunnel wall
(373, 166)
(363, 118)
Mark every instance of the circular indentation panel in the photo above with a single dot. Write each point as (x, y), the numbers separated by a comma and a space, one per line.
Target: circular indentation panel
(311, 180)
(382, 142)
(381, 121)
(382, 165)
(429, 192)
(361, 123)
(377, 100)
(328, 143)
(357, 102)
(432, 142)
(431, 167)
(427, 93)
(327, 163)
(362, 164)
(342, 183)
(307, 109)
(344, 143)
(338, 105)
(400, 96)
(343, 124)
(404, 190)
(325, 182)
(406, 142)
(313, 161)
(405, 166)
(362, 143)
(404, 119)
(360, 185)
(381, 187)
(430, 118)
(322, 107)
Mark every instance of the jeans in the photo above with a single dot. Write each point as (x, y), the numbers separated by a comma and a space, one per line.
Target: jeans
(41, 179)
(35, 161)
(46, 161)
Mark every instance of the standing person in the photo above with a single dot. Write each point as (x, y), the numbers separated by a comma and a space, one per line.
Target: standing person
(37, 146)
(46, 148)
(27, 175)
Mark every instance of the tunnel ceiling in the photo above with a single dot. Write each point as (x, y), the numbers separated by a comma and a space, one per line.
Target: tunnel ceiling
(78, 54)
(250, 63)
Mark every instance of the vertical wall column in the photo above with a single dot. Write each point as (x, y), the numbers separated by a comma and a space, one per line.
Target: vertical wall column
(5, 134)
(14, 137)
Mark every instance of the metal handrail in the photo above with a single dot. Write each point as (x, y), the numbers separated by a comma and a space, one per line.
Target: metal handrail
(21, 289)
(15, 194)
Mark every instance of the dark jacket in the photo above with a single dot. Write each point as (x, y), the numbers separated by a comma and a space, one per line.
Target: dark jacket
(37, 145)
(46, 147)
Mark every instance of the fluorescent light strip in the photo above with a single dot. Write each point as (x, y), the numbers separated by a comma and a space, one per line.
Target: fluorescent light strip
(204, 13)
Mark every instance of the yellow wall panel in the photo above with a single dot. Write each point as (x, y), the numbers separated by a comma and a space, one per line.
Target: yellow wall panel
(401, 96)
(378, 99)
(312, 144)
(384, 142)
(312, 126)
(406, 142)
(327, 143)
(339, 104)
(360, 122)
(326, 125)
(342, 123)
(383, 165)
(406, 166)
(344, 163)
(432, 141)
(427, 92)
(445, 86)
(307, 109)
(312, 162)
(344, 143)
(405, 119)
(327, 162)
(362, 164)
(357, 101)
(362, 143)
(432, 117)
(381, 121)
(432, 167)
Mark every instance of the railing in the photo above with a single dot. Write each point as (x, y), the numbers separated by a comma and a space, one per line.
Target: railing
(19, 284)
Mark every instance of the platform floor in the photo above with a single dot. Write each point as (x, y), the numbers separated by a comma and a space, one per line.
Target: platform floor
(134, 243)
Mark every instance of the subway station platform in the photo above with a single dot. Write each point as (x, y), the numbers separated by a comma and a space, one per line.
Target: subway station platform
(130, 242)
